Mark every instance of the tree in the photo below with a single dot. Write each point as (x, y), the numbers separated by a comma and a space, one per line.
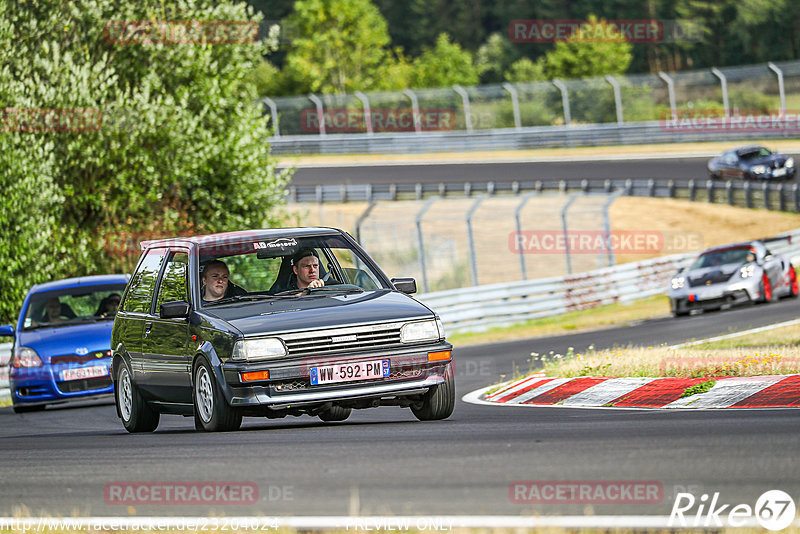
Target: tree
(339, 46)
(111, 140)
(578, 57)
(444, 65)
(525, 70)
(494, 58)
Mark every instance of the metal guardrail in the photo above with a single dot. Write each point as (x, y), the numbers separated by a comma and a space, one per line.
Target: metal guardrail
(505, 139)
(772, 196)
(5, 356)
(481, 307)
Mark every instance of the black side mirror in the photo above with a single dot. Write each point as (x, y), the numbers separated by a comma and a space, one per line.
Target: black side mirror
(7, 330)
(405, 285)
(176, 309)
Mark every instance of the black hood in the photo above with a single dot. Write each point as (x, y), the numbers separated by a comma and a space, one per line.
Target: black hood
(318, 311)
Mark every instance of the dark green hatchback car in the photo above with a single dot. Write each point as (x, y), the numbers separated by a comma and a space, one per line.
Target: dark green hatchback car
(270, 323)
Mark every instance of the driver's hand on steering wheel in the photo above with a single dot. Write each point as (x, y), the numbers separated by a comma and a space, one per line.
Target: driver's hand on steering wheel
(316, 283)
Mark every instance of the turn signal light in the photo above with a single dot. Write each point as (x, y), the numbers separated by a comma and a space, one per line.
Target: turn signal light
(252, 376)
(439, 356)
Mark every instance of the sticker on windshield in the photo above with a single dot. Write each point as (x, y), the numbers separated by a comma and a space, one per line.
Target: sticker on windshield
(282, 243)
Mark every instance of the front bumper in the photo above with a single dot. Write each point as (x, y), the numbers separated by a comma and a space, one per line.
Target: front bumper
(289, 384)
(716, 295)
(43, 385)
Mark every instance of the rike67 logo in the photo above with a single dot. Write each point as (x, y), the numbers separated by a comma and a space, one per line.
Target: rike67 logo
(774, 510)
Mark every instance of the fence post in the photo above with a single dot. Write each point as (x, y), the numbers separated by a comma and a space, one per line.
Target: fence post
(748, 195)
(367, 112)
(361, 219)
(273, 110)
(628, 187)
(692, 190)
(651, 188)
(566, 234)
(724, 84)
(779, 73)
(564, 101)
(393, 191)
(414, 109)
(465, 101)
(607, 230)
(796, 191)
(514, 104)
(517, 212)
(765, 190)
(562, 187)
(671, 90)
(671, 188)
(729, 189)
(418, 191)
(607, 186)
(710, 190)
(320, 113)
(473, 261)
(420, 243)
(617, 97)
(781, 200)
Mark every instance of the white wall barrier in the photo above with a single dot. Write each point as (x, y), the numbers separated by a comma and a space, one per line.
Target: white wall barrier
(481, 307)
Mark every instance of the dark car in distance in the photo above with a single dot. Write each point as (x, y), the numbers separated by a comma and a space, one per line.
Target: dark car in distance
(751, 162)
(266, 348)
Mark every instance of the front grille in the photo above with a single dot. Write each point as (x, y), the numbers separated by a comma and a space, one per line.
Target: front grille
(75, 358)
(74, 386)
(340, 340)
(715, 277)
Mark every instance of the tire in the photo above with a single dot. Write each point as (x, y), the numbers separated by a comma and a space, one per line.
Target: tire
(335, 413)
(211, 410)
(136, 414)
(680, 313)
(439, 401)
(21, 408)
(766, 289)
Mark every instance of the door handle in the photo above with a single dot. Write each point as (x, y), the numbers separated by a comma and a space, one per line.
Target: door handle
(147, 327)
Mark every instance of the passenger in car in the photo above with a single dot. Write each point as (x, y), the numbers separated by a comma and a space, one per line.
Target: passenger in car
(108, 306)
(55, 312)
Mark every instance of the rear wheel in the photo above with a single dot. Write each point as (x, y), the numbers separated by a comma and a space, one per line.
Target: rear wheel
(136, 414)
(794, 290)
(439, 402)
(211, 410)
(335, 413)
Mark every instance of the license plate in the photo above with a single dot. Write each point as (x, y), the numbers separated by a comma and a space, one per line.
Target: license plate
(779, 172)
(81, 373)
(349, 372)
(710, 294)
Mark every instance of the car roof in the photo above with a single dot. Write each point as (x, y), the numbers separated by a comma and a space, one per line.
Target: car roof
(82, 281)
(729, 246)
(241, 235)
(745, 149)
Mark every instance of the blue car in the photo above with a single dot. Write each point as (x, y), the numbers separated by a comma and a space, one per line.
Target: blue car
(62, 341)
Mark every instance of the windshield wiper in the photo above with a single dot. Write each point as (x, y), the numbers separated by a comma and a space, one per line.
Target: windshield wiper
(237, 298)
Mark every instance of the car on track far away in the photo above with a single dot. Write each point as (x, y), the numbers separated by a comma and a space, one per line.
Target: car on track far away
(219, 327)
(732, 274)
(751, 162)
(62, 341)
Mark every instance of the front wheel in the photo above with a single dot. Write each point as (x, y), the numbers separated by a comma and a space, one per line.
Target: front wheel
(439, 401)
(211, 410)
(136, 414)
(335, 413)
(21, 408)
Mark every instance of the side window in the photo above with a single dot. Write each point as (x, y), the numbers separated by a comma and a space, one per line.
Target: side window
(354, 271)
(174, 284)
(140, 292)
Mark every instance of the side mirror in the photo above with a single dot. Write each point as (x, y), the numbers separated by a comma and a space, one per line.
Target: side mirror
(681, 269)
(405, 285)
(176, 309)
(7, 330)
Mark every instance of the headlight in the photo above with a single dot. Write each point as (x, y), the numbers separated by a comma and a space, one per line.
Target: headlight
(252, 350)
(789, 163)
(759, 169)
(25, 357)
(747, 271)
(678, 282)
(420, 331)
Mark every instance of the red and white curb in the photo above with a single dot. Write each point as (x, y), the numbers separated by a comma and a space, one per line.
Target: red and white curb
(780, 391)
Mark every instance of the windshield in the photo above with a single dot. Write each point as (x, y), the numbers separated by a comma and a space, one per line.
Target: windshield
(755, 153)
(724, 257)
(284, 266)
(72, 306)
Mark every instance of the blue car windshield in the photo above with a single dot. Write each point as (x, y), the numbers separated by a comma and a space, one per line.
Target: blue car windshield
(724, 257)
(74, 305)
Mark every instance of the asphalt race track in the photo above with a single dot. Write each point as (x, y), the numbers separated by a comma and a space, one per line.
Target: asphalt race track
(383, 461)
(679, 169)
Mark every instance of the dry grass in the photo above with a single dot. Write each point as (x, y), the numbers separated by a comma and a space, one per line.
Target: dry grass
(681, 362)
